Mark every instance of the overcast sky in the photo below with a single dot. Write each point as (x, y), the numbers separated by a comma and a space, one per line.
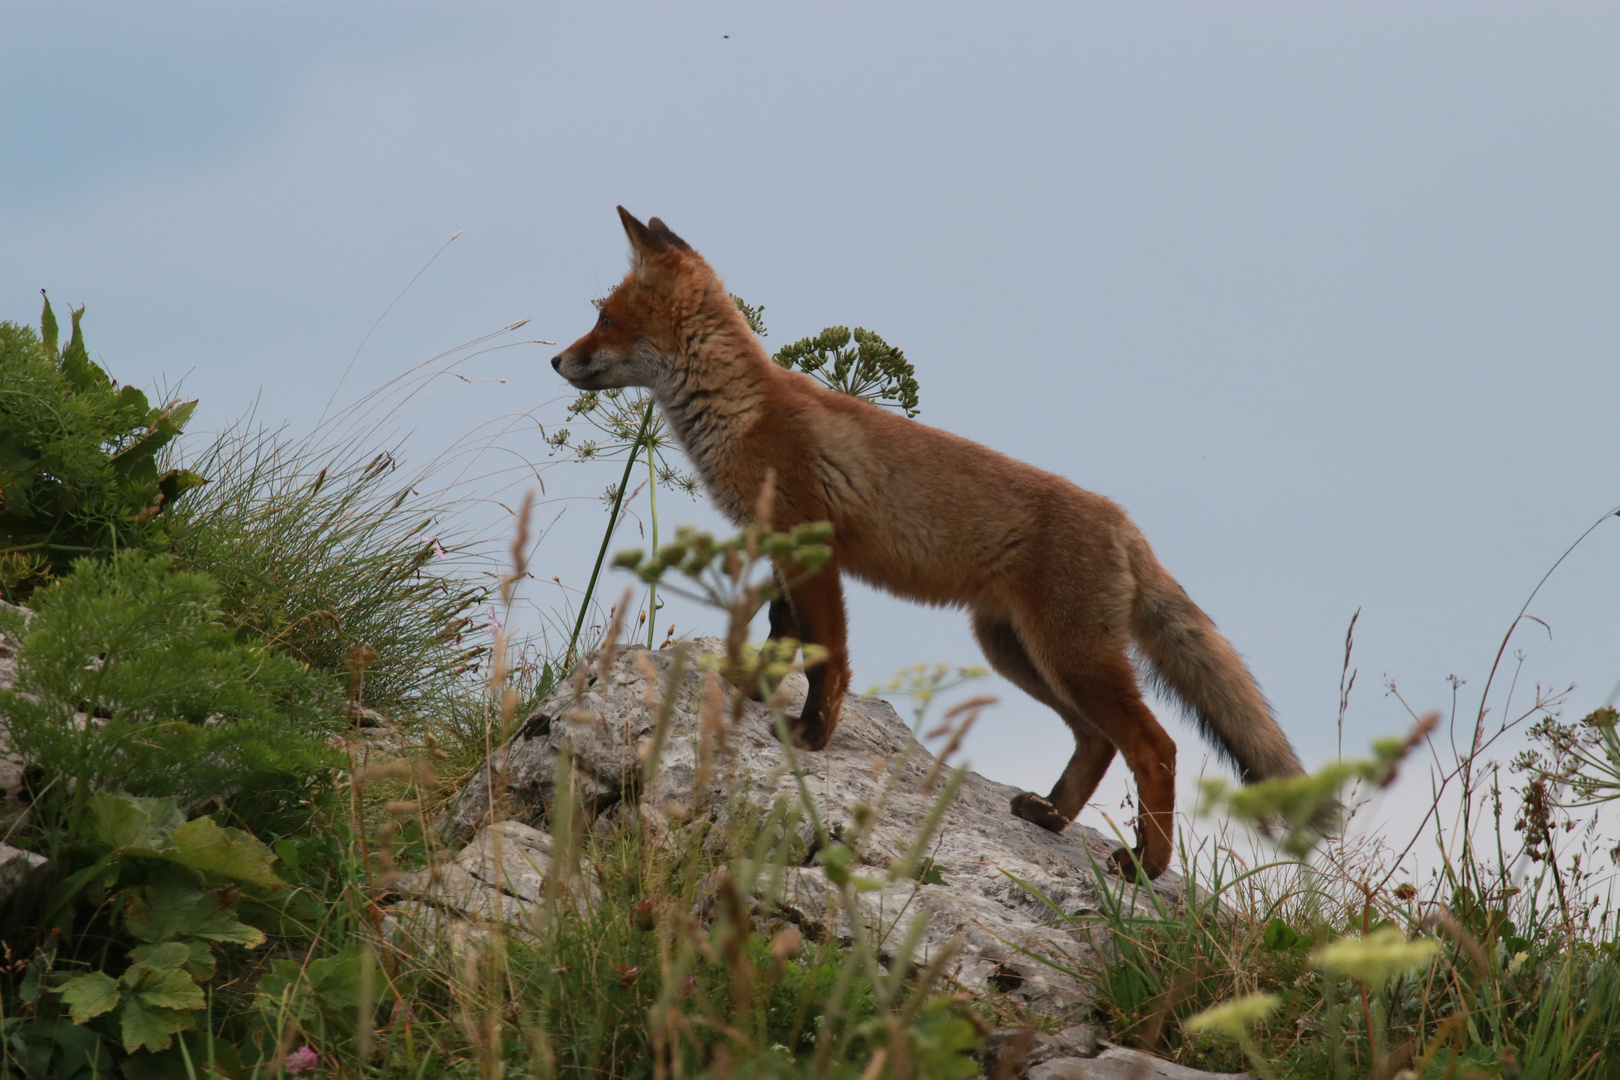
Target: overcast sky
(1325, 295)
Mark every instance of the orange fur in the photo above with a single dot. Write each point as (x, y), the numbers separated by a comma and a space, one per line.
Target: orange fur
(1059, 581)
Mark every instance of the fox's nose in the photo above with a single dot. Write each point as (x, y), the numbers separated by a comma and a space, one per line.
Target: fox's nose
(556, 362)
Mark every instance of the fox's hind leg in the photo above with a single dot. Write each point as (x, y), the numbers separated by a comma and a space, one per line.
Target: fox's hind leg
(1104, 688)
(1092, 752)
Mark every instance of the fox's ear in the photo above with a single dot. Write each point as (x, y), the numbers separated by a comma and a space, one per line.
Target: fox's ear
(664, 233)
(642, 239)
(651, 238)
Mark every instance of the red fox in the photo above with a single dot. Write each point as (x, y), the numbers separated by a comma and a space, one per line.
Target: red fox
(1059, 582)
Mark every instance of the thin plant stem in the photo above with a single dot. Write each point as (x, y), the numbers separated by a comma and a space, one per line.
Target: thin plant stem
(607, 534)
(652, 513)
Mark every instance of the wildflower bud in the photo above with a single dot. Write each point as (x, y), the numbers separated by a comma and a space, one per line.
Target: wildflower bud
(836, 859)
(629, 559)
(1377, 957)
(786, 944)
(1234, 1018)
(816, 532)
(863, 814)
(779, 544)
(812, 556)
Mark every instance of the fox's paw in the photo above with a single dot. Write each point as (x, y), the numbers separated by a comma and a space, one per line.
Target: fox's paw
(810, 736)
(1122, 863)
(1131, 866)
(1036, 810)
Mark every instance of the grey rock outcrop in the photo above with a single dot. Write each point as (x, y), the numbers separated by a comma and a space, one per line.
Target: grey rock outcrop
(606, 721)
(1118, 1063)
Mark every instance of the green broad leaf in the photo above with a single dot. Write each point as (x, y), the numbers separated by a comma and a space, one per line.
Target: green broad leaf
(134, 823)
(167, 988)
(188, 1060)
(201, 961)
(132, 399)
(55, 1047)
(47, 325)
(163, 956)
(135, 461)
(81, 372)
(176, 482)
(173, 902)
(222, 852)
(336, 979)
(88, 996)
(148, 1027)
(28, 990)
(222, 927)
(1280, 937)
(942, 1042)
(196, 957)
(291, 852)
(281, 980)
(180, 415)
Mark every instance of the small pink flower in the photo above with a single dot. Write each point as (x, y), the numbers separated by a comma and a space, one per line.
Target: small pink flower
(301, 1060)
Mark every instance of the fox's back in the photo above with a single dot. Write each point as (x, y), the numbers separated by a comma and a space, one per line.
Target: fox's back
(921, 512)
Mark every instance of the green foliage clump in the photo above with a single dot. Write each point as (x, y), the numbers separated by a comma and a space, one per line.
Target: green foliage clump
(79, 472)
(163, 892)
(330, 554)
(128, 680)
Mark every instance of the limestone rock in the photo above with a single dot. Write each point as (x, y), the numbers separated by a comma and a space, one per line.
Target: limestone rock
(607, 719)
(1118, 1063)
(1013, 1052)
(17, 867)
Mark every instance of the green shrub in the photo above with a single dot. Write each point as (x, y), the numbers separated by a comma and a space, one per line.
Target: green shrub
(128, 680)
(78, 458)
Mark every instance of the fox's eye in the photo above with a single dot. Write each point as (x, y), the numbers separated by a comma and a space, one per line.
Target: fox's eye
(603, 322)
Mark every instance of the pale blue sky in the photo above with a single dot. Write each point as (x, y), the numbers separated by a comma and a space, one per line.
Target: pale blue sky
(1324, 294)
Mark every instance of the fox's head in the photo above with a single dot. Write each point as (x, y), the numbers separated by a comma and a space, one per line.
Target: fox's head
(634, 340)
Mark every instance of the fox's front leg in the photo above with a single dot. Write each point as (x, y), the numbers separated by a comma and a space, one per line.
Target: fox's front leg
(783, 628)
(816, 606)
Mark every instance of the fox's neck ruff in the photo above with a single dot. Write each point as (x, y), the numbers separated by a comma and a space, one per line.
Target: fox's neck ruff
(715, 390)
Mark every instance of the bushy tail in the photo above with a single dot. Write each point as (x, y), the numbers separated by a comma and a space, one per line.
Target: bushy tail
(1189, 658)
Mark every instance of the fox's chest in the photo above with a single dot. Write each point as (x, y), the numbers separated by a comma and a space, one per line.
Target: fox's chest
(710, 445)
